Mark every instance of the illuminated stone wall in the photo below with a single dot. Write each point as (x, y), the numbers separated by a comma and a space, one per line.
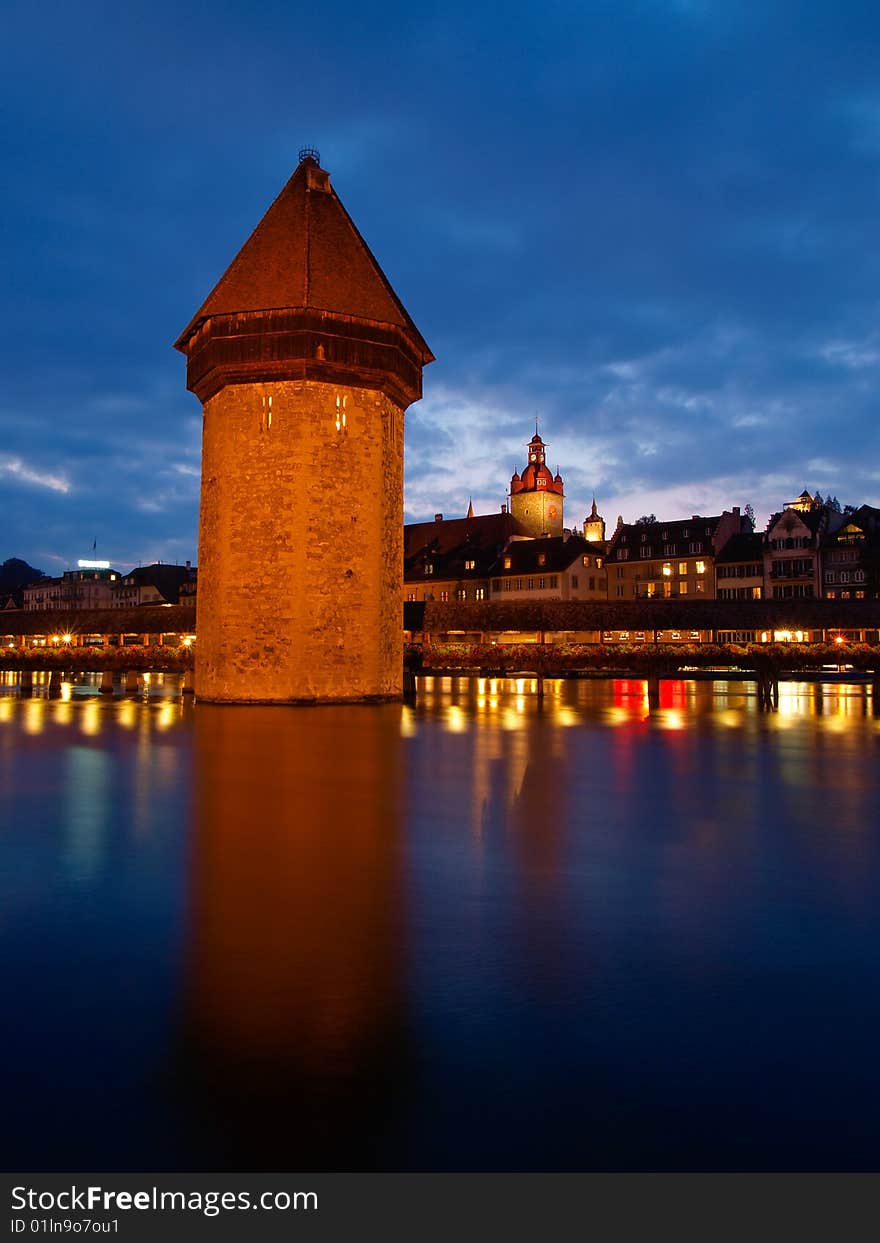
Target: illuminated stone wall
(538, 512)
(300, 544)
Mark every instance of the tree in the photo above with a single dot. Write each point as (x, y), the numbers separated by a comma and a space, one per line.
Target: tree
(646, 520)
(749, 512)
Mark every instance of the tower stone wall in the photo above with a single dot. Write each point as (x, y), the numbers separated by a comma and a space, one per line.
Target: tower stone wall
(300, 538)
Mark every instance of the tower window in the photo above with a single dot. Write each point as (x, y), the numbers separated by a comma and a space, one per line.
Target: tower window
(342, 415)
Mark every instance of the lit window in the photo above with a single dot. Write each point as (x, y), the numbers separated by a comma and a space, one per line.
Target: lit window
(700, 567)
(682, 568)
(429, 569)
(542, 558)
(507, 563)
(667, 569)
(470, 565)
(480, 593)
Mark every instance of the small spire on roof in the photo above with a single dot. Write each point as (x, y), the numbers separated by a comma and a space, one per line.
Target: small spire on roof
(470, 511)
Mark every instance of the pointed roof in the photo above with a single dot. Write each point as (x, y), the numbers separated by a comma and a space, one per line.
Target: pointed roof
(470, 508)
(306, 252)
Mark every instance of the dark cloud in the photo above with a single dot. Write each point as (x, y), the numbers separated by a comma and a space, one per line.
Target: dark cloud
(654, 223)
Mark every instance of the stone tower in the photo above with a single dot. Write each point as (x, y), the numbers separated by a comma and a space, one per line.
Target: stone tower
(304, 360)
(594, 526)
(536, 496)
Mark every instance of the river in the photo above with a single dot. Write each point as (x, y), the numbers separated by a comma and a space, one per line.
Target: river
(483, 931)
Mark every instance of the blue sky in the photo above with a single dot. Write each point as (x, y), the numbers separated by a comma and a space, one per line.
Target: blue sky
(653, 224)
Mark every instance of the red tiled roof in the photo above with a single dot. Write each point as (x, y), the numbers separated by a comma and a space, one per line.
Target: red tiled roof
(306, 252)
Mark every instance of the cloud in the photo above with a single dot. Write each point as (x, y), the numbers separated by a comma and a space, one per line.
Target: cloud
(854, 355)
(19, 469)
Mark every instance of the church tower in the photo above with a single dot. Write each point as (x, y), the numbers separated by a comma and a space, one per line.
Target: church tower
(304, 360)
(536, 496)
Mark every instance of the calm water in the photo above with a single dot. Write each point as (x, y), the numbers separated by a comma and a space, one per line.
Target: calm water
(480, 933)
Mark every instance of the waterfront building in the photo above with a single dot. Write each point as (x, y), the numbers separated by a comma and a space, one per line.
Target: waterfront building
(84, 588)
(451, 559)
(792, 561)
(305, 360)
(670, 559)
(555, 568)
(739, 568)
(851, 557)
(151, 584)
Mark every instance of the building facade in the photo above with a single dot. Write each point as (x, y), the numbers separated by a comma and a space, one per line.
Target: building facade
(74, 589)
(669, 560)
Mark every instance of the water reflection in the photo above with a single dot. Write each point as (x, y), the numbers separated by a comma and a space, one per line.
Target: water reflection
(490, 929)
(294, 1047)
